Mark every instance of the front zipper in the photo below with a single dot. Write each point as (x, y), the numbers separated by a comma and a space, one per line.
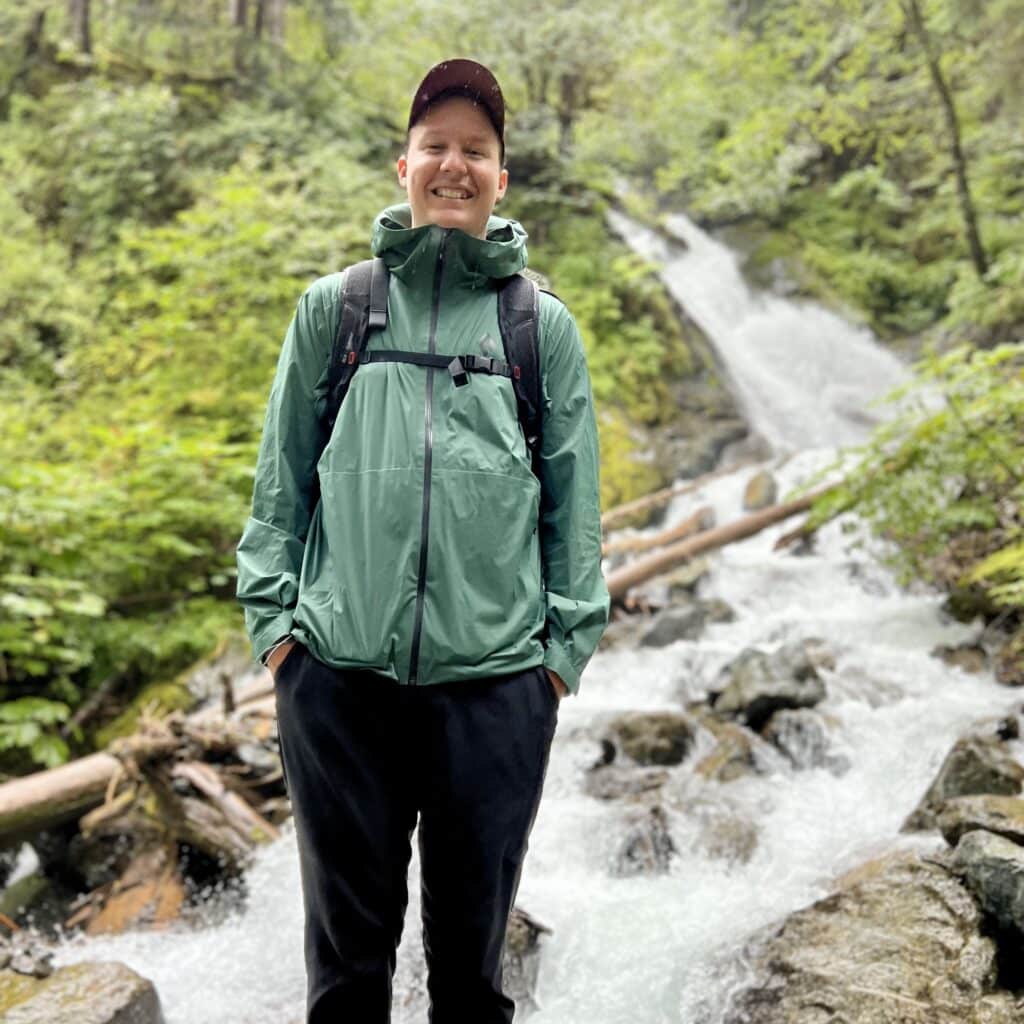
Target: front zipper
(428, 454)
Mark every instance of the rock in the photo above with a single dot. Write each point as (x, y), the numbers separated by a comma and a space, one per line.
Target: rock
(1001, 815)
(682, 582)
(724, 834)
(1009, 664)
(799, 735)
(620, 781)
(993, 868)
(967, 657)
(898, 943)
(733, 755)
(522, 959)
(85, 993)
(622, 631)
(760, 492)
(675, 624)
(648, 847)
(653, 737)
(974, 766)
(759, 684)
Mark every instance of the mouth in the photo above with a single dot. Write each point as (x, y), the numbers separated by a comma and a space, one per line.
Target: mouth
(452, 193)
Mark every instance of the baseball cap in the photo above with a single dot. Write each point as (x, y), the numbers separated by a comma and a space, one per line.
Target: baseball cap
(461, 76)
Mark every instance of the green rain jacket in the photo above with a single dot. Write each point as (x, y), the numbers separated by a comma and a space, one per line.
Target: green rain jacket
(434, 554)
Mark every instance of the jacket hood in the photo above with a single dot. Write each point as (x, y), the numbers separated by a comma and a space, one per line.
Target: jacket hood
(410, 252)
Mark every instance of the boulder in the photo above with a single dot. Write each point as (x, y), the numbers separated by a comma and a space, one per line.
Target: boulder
(682, 582)
(623, 781)
(993, 868)
(759, 684)
(1001, 815)
(975, 765)
(723, 831)
(799, 735)
(652, 737)
(733, 755)
(686, 623)
(647, 848)
(522, 959)
(84, 993)
(966, 657)
(899, 943)
(761, 491)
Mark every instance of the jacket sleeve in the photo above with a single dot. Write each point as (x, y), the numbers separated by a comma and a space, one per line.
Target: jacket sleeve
(570, 522)
(270, 552)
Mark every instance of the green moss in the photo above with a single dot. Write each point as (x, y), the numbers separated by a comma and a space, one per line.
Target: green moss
(156, 698)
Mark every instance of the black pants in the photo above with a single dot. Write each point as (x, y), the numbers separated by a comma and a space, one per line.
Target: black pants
(363, 756)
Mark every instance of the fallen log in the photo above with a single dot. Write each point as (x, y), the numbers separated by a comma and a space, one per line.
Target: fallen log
(58, 795)
(620, 581)
(702, 519)
(664, 496)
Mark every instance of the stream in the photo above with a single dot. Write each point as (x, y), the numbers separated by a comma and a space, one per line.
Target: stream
(662, 949)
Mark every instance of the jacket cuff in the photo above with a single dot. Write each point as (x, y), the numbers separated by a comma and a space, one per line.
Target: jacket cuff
(275, 630)
(556, 658)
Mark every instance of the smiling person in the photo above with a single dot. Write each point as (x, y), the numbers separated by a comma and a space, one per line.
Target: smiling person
(421, 570)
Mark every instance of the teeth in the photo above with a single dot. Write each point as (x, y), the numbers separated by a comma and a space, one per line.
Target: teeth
(451, 193)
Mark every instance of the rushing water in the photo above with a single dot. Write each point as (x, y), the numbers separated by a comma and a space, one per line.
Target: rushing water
(662, 949)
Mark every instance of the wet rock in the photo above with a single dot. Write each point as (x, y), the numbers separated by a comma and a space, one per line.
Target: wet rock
(759, 684)
(652, 737)
(974, 766)
(522, 959)
(1001, 815)
(623, 781)
(733, 755)
(898, 943)
(993, 868)
(22, 954)
(799, 735)
(675, 624)
(647, 848)
(85, 993)
(1009, 663)
(760, 492)
(723, 833)
(967, 657)
(682, 583)
(623, 631)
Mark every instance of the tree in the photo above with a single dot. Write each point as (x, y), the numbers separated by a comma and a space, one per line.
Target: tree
(79, 16)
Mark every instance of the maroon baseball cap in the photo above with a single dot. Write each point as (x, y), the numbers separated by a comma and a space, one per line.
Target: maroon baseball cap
(466, 77)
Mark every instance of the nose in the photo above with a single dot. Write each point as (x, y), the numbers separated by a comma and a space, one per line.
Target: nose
(453, 161)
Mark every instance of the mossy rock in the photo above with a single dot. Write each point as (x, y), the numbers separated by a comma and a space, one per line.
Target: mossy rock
(159, 698)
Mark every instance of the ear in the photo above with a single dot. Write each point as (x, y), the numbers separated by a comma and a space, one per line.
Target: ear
(502, 184)
(402, 167)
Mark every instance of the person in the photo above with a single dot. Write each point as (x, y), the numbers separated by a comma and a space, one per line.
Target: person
(423, 590)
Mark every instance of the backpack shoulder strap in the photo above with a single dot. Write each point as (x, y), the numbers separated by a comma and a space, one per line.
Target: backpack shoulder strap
(364, 308)
(519, 321)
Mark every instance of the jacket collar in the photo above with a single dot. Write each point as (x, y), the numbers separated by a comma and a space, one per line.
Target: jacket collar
(411, 253)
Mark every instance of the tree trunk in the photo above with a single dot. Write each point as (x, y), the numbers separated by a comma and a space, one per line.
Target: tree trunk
(78, 15)
(664, 496)
(701, 520)
(620, 581)
(912, 12)
(275, 20)
(239, 11)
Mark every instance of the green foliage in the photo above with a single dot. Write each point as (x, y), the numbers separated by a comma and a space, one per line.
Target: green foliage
(27, 727)
(943, 478)
(92, 156)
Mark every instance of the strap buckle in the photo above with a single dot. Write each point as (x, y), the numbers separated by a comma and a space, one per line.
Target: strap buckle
(458, 372)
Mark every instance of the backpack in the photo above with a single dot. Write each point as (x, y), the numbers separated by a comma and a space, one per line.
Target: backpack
(364, 308)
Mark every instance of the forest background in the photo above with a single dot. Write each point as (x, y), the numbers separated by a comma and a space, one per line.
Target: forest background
(173, 174)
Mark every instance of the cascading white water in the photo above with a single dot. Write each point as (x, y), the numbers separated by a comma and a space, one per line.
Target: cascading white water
(661, 949)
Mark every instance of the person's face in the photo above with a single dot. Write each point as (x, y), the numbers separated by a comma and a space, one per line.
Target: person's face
(451, 170)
